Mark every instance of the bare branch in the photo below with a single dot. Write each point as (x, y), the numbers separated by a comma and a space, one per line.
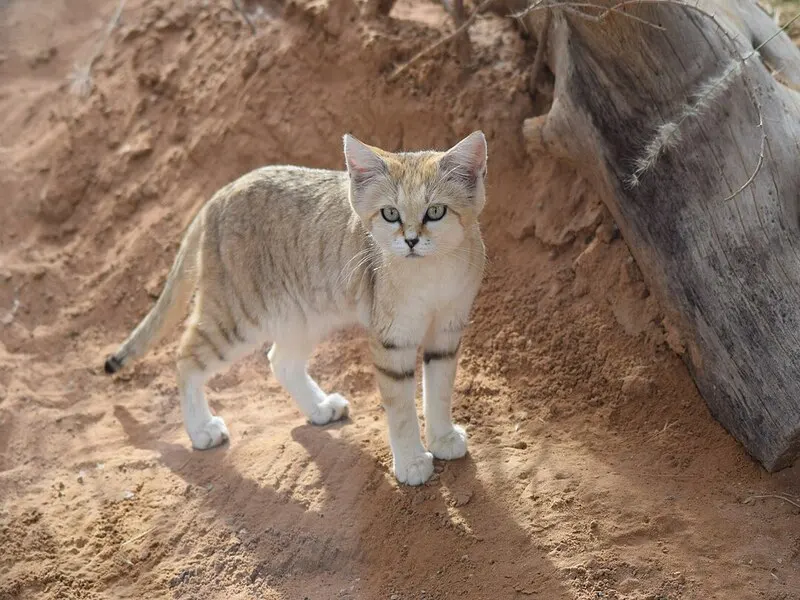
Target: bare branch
(776, 496)
(668, 134)
(81, 75)
(575, 8)
(423, 53)
(760, 162)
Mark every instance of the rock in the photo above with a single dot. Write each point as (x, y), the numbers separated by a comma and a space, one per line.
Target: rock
(636, 385)
(139, 147)
(462, 497)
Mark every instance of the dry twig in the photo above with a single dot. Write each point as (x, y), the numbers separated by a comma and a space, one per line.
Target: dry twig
(575, 8)
(81, 76)
(777, 496)
(760, 162)
(138, 537)
(425, 51)
(668, 134)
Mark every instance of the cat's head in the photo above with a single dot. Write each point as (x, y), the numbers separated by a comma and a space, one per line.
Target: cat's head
(418, 204)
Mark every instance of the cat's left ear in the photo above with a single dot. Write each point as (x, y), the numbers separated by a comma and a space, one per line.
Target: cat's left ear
(466, 161)
(363, 164)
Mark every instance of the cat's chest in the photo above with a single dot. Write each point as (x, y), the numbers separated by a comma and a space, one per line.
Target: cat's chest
(434, 292)
(413, 301)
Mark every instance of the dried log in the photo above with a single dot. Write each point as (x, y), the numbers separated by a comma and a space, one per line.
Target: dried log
(712, 219)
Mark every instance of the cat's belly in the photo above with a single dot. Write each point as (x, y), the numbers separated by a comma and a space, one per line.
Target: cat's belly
(314, 326)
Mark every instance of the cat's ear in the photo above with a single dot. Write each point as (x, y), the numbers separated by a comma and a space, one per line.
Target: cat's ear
(466, 161)
(363, 163)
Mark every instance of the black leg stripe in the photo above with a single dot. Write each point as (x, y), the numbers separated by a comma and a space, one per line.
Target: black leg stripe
(440, 355)
(210, 343)
(396, 375)
(390, 345)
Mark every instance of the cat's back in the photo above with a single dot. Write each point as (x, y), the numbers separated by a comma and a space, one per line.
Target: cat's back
(296, 219)
(284, 192)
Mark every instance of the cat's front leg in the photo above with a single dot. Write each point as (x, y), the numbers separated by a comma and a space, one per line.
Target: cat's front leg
(446, 440)
(394, 371)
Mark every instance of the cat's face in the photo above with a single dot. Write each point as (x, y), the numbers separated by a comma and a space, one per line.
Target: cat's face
(417, 204)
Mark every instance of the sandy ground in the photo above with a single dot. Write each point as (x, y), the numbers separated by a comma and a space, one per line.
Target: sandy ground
(595, 470)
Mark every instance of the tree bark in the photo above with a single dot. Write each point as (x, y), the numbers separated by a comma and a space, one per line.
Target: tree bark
(724, 263)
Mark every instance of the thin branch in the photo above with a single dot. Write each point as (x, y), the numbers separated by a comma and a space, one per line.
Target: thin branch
(774, 35)
(760, 162)
(138, 537)
(574, 8)
(668, 133)
(777, 496)
(81, 76)
(463, 45)
(424, 52)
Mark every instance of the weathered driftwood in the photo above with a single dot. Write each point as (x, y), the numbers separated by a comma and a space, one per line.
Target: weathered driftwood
(715, 235)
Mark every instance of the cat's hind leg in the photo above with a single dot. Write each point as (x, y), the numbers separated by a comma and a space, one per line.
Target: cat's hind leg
(288, 360)
(213, 340)
(199, 358)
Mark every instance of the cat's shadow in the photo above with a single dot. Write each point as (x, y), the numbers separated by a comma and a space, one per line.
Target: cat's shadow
(342, 517)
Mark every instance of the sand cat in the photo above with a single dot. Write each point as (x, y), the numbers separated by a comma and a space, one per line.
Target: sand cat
(289, 254)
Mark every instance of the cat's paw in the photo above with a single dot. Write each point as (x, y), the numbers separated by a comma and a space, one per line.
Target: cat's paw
(415, 471)
(212, 433)
(451, 445)
(333, 408)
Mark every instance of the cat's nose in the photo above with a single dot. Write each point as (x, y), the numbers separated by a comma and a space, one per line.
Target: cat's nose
(412, 242)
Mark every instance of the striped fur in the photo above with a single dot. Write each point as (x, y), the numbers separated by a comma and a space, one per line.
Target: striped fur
(290, 254)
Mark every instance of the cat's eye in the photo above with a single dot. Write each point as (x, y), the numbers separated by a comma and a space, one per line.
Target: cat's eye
(390, 214)
(435, 212)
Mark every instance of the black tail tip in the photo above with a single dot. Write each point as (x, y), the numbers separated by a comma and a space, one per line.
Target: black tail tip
(113, 364)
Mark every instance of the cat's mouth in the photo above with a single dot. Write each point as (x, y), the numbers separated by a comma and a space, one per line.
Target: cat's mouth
(413, 254)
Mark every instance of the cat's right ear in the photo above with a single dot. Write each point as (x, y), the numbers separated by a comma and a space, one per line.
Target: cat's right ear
(363, 164)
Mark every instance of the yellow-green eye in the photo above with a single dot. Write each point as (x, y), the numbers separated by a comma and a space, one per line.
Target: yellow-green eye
(435, 212)
(390, 214)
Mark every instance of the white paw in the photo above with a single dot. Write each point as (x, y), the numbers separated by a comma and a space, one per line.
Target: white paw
(333, 408)
(451, 445)
(212, 433)
(415, 471)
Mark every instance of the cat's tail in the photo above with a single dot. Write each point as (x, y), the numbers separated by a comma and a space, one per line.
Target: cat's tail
(171, 305)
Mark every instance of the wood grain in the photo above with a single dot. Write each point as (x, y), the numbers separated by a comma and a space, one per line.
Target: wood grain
(727, 271)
